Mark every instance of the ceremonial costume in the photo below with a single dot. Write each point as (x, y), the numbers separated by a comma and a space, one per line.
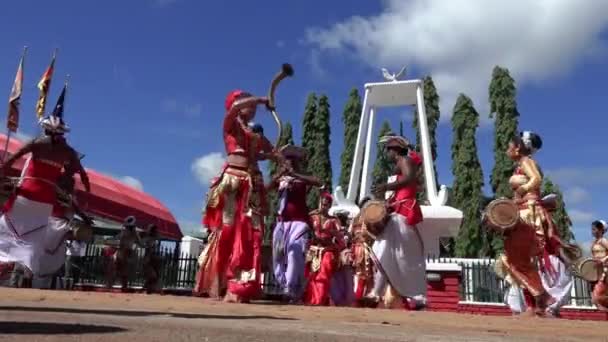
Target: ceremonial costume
(399, 248)
(234, 214)
(599, 251)
(290, 236)
(533, 238)
(28, 234)
(362, 260)
(323, 256)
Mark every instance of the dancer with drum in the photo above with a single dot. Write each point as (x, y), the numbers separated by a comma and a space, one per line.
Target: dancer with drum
(599, 252)
(533, 235)
(24, 224)
(63, 227)
(323, 254)
(399, 247)
(291, 233)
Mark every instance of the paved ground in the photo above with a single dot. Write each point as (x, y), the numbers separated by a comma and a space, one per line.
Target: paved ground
(35, 315)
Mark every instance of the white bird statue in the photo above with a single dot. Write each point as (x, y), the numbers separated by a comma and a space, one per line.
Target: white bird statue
(342, 204)
(392, 77)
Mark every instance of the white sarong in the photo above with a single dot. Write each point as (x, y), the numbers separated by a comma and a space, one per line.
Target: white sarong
(399, 250)
(26, 235)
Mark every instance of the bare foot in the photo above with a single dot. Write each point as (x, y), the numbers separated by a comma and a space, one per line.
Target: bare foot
(230, 298)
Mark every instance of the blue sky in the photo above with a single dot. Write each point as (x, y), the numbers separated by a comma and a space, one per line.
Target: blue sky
(149, 77)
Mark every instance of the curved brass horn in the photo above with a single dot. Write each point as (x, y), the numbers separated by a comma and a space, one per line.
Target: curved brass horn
(286, 71)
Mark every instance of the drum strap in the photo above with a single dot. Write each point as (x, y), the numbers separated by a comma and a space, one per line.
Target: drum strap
(377, 263)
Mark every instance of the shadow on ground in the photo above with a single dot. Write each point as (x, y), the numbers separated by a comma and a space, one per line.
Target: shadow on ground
(130, 313)
(40, 328)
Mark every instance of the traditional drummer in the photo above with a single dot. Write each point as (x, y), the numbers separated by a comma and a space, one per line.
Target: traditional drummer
(399, 248)
(61, 224)
(599, 252)
(24, 225)
(523, 242)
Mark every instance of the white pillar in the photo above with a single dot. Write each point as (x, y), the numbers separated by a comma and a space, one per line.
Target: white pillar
(427, 155)
(369, 142)
(355, 170)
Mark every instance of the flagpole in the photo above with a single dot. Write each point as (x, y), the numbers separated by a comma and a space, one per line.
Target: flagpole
(8, 130)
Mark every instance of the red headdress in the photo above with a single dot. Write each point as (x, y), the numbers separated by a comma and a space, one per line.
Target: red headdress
(233, 96)
(326, 196)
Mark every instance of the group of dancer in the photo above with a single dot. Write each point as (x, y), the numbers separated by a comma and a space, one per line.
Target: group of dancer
(318, 259)
(314, 260)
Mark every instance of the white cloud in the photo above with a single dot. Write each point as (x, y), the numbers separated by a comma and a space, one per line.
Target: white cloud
(23, 137)
(207, 167)
(576, 195)
(580, 176)
(459, 42)
(132, 182)
(581, 217)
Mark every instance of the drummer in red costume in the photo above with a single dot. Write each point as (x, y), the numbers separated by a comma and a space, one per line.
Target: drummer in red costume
(399, 248)
(323, 254)
(64, 210)
(235, 207)
(24, 224)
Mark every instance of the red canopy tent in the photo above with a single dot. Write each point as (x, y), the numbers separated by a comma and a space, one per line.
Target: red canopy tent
(113, 200)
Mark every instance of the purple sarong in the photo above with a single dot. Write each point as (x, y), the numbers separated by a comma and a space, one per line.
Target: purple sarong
(289, 241)
(341, 289)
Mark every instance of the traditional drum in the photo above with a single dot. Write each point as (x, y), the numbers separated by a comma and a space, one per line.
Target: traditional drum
(589, 269)
(375, 215)
(81, 231)
(502, 214)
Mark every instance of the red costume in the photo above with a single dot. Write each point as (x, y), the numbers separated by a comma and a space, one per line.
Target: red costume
(363, 263)
(323, 256)
(234, 215)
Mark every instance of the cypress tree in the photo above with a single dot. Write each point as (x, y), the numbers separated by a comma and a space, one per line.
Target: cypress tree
(382, 167)
(308, 134)
(316, 139)
(503, 108)
(431, 106)
(285, 139)
(468, 178)
(562, 221)
(350, 117)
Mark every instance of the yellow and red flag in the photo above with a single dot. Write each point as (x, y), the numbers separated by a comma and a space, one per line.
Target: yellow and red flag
(44, 85)
(14, 99)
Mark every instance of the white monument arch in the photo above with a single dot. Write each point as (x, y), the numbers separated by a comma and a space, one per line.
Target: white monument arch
(439, 220)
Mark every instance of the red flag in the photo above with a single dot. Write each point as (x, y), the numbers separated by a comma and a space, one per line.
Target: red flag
(12, 121)
(44, 85)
